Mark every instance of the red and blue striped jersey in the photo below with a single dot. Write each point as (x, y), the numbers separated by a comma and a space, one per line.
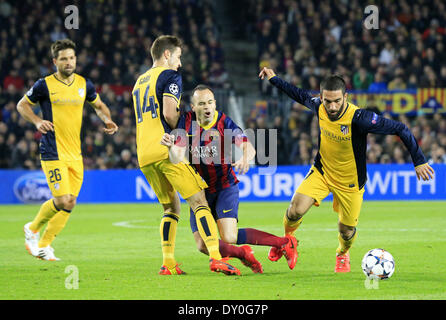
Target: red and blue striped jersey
(210, 148)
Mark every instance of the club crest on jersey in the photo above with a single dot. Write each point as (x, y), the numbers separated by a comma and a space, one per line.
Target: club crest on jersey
(81, 92)
(173, 88)
(344, 130)
(375, 117)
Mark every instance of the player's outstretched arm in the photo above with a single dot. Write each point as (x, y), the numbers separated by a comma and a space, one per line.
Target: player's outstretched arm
(370, 122)
(25, 110)
(176, 151)
(297, 94)
(103, 113)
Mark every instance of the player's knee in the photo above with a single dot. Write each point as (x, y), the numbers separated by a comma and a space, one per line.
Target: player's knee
(230, 238)
(198, 199)
(296, 211)
(346, 231)
(66, 202)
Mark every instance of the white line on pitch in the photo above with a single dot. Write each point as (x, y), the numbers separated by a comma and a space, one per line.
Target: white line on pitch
(132, 224)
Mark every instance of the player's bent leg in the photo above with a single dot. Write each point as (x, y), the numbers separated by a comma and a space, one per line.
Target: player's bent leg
(207, 229)
(55, 225)
(299, 206)
(205, 223)
(346, 237)
(32, 229)
(229, 234)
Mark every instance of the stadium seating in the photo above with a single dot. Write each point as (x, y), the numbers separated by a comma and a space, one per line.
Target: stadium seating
(302, 40)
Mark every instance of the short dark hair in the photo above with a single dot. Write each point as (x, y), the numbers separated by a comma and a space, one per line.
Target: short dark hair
(60, 45)
(200, 87)
(333, 83)
(163, 43)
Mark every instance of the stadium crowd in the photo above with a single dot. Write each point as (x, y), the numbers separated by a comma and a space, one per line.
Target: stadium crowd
(304, 41)
(113, 42)
(293, 38)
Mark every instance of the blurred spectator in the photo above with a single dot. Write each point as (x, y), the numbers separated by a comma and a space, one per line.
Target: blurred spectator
(362, 79)
(125, 160)
(301, 40)
(20, 155)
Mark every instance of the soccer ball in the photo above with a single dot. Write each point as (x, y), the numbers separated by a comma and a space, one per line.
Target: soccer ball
(378, 264)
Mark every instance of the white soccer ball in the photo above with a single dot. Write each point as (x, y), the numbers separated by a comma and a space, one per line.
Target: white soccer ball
(378, 264)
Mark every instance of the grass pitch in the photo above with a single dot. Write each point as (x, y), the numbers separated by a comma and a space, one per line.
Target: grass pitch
(116, 250)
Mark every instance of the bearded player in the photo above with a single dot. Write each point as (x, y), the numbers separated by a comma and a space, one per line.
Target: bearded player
(340, 164)
(61, 96)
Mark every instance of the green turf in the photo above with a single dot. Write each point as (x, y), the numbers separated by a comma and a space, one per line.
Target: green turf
(117, 262)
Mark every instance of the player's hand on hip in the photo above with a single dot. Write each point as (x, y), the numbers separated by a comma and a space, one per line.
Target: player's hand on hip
(44, 126)
(269, 73)
(425, 172)
(167, 140)
(110, 127)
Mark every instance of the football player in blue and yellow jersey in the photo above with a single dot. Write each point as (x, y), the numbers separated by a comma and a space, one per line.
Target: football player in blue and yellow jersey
(61, 97)
(156, 98)
(340, 164)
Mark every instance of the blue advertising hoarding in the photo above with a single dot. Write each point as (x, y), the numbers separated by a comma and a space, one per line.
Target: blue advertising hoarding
(385, 182)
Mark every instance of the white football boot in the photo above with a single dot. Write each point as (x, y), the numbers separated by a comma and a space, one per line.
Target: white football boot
(31, 240)
(47, 253)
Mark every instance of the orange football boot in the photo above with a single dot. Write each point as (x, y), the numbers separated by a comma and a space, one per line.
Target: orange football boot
(342, 263)
(223, 266)
(164, 271)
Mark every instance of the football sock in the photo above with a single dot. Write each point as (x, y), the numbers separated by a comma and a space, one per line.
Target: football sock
(345, 245)
(291, 225)
(47, 210)
(55, 225)
(229, 250)
(168, 231)
(261, 238)
(208, 230)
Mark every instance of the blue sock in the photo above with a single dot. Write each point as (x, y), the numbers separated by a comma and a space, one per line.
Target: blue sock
(241, 236)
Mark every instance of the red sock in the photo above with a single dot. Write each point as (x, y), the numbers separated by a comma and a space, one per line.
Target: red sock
(229, 250)
(260, 238)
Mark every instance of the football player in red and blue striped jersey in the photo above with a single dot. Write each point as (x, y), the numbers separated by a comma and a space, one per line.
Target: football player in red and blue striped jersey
(209, 135)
